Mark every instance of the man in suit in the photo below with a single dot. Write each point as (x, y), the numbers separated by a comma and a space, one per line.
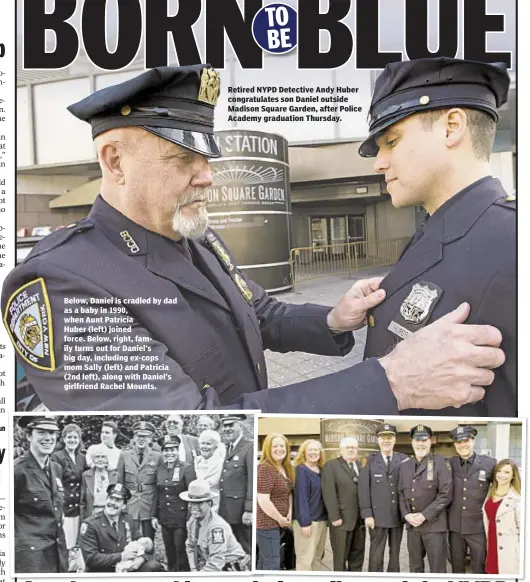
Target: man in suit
(472, 476)
(425, 491)
(379, 501)
(236, 483)
(340, 482)
(145, 250)
(432, 129)
(137, 470)
(106, 538)
(189, 444)
(40, 545)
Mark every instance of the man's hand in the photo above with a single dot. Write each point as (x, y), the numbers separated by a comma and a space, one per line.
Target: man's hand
(336, 523)
(284, 522)
(410, 518)
(306, 531)
(247, 518)
(154, 523)
(350, 312)
(129, 554)
(445, 363)
(369, 522)
(419, 518)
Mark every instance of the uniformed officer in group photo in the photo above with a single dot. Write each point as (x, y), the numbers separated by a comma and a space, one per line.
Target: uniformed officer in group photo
(137, 470)
(432, 129)
(472, 476)
(146, 249)
(425, 490)
(379, 500)
(107, 538)
(40, 544)
(168, 510)
(211, 544)
(236, 483)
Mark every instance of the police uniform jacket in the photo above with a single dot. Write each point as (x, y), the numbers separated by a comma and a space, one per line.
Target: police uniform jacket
(340, 492)
(235, 485)
(378, 490)
(102, 545)
(211, 544)
(71, 479)
(205, 337)
(427, 489)
(167, 506)
(466, 254)
(87, 489)
(470, 488)
(140, 479)
(39, 504)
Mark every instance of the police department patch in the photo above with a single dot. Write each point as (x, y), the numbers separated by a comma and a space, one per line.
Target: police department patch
(28, 320)
(218, 535)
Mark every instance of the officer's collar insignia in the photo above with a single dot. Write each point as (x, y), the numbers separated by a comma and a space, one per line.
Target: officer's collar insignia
(218, 535)
(28, 320)
(243, 287)
(418, 303)
(210, 86)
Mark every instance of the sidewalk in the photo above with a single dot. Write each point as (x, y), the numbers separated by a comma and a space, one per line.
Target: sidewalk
(295, 367)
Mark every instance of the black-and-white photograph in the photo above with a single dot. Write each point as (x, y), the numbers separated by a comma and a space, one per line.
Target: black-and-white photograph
(129, 493)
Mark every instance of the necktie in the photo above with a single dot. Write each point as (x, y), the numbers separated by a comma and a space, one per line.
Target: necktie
(141, 457)
(388, 464)
(230, 447)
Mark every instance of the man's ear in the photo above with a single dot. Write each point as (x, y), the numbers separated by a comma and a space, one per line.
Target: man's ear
(110, 159)
(455, 126)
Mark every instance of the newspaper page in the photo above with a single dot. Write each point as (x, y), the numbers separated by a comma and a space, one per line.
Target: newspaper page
(259, 290)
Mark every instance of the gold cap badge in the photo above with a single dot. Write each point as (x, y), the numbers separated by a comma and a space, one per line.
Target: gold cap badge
(210, 86)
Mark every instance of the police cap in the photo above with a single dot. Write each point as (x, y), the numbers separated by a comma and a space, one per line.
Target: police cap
(42, 422)
(144, 428)
(387, 429)
(415, 86)
(421, 432)
(174, 103)
(461, 433)
(230, 419)
(169, 441)
(119, 490)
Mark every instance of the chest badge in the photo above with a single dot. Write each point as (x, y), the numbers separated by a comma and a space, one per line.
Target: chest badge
(482, 475)
(416, 309)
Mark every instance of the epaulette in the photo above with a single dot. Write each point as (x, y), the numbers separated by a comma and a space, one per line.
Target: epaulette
(508, 201)
(59, 237)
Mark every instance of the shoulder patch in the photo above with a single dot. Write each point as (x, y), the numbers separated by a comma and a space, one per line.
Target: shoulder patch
(28, 319)
(218, 535)
(84, 528)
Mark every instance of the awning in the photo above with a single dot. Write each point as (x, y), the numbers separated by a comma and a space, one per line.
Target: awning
(82, 196)
(328, 162)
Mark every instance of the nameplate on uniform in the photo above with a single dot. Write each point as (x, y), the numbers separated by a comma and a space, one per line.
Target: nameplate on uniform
(430, 470)
(416, 310)
(28, 320)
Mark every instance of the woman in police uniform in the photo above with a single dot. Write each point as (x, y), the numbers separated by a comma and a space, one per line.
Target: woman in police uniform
(73, 464)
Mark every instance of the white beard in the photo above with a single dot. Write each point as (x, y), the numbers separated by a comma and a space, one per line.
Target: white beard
(190, 226)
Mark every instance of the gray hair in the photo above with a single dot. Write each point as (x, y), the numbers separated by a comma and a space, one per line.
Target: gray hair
(344, 442)
(210, 435)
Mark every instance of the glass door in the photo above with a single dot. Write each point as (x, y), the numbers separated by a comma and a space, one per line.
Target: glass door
(339, 236)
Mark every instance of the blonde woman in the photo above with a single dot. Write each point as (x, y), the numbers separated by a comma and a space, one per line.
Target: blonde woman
(275, 499)
(310, 516)
(501, 512)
